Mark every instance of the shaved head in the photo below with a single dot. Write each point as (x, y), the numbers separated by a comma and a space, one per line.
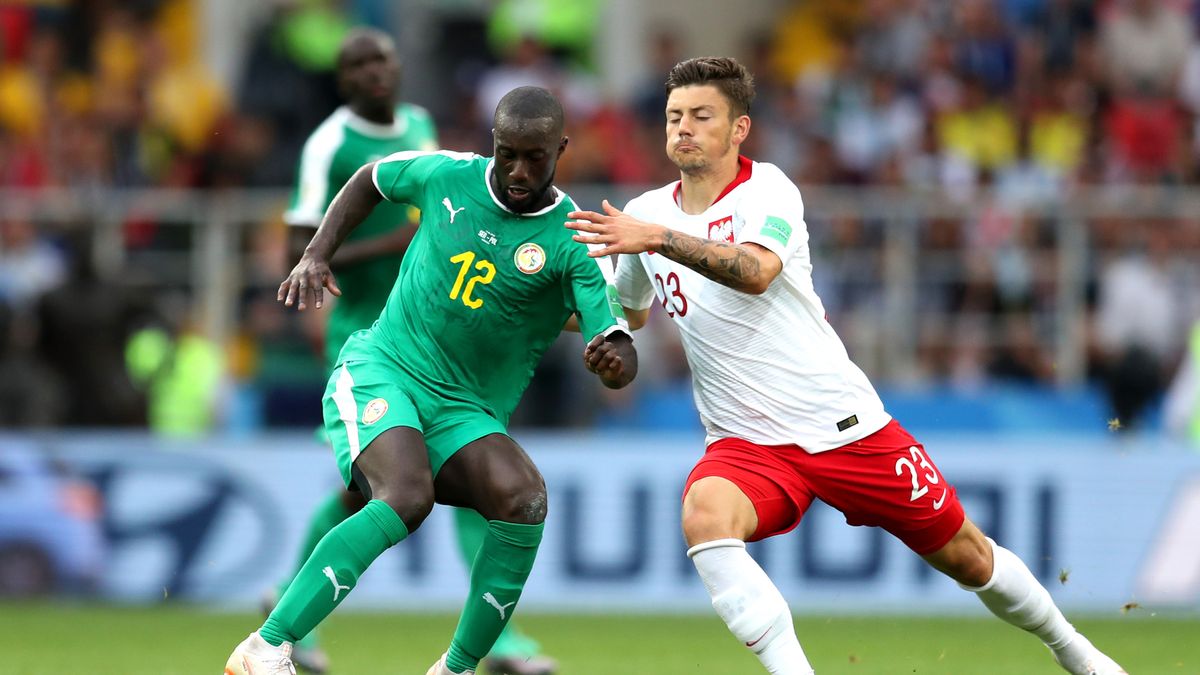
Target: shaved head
(526, 106)
(359, 39)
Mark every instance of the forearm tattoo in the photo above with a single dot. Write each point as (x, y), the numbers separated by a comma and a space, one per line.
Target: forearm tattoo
(727, 264)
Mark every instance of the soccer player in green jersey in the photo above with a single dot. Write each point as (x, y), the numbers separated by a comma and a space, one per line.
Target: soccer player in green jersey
(417, 405)
(370, 126)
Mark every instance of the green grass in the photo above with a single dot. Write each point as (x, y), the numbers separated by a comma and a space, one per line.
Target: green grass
(41, 639)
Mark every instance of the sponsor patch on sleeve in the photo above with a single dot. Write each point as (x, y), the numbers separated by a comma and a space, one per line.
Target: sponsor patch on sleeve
(778, 229)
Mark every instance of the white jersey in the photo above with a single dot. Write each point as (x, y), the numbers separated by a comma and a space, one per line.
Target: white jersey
(766, 368)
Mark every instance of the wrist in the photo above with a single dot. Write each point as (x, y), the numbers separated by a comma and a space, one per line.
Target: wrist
(658, 239)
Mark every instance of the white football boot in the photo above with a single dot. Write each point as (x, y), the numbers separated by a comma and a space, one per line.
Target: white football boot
(440, 668)
(1080, 657)
(255, 657)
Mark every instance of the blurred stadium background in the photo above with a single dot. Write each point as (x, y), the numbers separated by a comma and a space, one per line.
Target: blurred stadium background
(1003, 208)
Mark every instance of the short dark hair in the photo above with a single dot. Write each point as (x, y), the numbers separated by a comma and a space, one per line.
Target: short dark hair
(530, 103)
(726, 74)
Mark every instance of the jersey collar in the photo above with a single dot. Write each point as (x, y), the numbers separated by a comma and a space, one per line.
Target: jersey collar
(745, 166)
(366, 127)
(559, 195)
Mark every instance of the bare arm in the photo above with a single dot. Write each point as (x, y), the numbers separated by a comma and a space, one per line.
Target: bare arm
(357, 198)
(749, 268)
(352, 253)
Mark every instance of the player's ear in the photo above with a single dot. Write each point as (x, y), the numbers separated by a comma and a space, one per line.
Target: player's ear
(741, 129)
(562, 145)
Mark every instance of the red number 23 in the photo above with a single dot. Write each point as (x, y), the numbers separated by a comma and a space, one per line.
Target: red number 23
(672, 298)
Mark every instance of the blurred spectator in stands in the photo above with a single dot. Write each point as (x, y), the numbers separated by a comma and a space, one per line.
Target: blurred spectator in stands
(566, 29)
(288, 82)
(980, 130)
(872, 122)
(1061, 38)
(29, 264)
(894, 38)
(1137, 321)
(1059, 128)
(1144, 45)
(84, 325)
(985, 51)
(648, 100)
(1146, 129)
(1017, 356)
(30, 393)
(180, 370)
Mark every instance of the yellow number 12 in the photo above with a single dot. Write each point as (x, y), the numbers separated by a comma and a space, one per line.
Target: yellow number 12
(487, 272)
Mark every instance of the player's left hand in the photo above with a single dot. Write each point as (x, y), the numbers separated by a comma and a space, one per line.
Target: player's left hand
(602, 357)
(615, 230)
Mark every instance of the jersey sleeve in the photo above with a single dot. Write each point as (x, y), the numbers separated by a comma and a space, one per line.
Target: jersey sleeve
(592, 295)
(773, 217)
(401, 177)
(634, 289)
(313, 190)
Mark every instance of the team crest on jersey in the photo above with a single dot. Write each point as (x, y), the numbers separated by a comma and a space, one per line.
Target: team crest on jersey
(721, 230)
(530, 258)
(375, 409)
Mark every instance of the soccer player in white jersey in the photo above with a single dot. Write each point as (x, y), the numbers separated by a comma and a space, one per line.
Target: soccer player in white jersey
(789, 417)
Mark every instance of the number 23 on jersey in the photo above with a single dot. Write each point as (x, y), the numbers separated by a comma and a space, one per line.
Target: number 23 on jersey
(464, 286)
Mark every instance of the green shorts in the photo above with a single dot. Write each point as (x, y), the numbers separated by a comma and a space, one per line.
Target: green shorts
(369, 393)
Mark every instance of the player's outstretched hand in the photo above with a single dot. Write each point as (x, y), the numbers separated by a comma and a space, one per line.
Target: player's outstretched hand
(614, 230)
(614, 360)
(309, 279)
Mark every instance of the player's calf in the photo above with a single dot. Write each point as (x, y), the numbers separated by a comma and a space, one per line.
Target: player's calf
(1015, 595)
(750, 605)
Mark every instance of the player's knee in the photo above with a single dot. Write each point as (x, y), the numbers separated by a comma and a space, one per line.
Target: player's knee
(526, 504)
(703, 522)
(411, 500)
(353, 500)
(968, 562)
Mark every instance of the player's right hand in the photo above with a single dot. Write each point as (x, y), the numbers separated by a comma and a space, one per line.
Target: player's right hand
(309, 279)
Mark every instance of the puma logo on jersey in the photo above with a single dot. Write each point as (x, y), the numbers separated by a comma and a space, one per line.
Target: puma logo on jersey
(503, 609)
(337, 588)
(450, 207)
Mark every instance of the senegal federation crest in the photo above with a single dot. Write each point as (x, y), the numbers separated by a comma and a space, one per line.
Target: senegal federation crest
(530, 258)
(375, 409)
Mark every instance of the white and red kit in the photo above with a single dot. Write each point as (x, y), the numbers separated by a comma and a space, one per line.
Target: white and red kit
(789, 417)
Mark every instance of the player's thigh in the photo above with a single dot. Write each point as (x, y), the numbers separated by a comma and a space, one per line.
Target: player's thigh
(493, 475)
(363, 400)
(775, 492)
(889, 480)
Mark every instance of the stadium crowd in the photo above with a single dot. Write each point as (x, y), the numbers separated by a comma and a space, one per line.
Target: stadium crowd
(1007, 107)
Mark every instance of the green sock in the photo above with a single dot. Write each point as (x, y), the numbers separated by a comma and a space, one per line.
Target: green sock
(328, 514)
(498, 575)
(471, 529)
(332, 571)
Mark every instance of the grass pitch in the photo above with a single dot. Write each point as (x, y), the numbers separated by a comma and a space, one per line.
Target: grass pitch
(49, 639)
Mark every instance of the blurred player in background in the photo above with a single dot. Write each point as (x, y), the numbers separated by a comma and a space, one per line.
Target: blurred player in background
(418, 404)
(789, 417)
(371, 126)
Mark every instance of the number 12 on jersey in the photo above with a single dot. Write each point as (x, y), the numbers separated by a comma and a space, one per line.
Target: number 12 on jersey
(487, 271)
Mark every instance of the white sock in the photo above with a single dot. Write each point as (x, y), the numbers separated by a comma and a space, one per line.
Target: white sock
(1014, 594)
(750, 605)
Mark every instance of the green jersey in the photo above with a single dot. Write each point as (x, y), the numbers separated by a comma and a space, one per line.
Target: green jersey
(484, 290)
(340, 146)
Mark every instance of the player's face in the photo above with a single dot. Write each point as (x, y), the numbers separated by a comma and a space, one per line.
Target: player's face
(369, 71)
(526, 155)
(700, 132)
